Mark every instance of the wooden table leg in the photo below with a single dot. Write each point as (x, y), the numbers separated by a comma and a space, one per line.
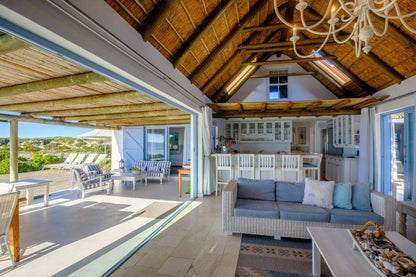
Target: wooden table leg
(180, 184)
(402, 224)
(14, 235)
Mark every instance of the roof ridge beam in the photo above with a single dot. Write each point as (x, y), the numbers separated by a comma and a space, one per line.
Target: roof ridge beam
(57, 82)
(202, 29)
(305, 60)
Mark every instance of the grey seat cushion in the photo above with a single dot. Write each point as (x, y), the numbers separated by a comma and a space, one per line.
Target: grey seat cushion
(297, 211)
(356, 217)
(256, 189)
(290, 192)
(256, 208)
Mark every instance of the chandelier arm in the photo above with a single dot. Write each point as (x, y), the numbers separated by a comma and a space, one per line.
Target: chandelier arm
(399, 16)
(383, 8)
(386, 25)
(301, 55)
(345, 8)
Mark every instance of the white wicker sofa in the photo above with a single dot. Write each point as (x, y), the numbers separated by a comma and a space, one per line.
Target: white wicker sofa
(155, 169)
(382, 205)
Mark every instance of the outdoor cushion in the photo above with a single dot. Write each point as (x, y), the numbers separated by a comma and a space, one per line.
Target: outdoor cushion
(289, 192)
(342, 196)
(256, 208)
(154, 169)
(361, 197)
(356, 217)
(298, 211)
(255, 189)
(319, 193)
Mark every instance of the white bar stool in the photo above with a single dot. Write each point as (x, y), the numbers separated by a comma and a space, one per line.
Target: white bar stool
(223, 165)
(246, 164)
(267, 163)
(291, 163)
(312, 168)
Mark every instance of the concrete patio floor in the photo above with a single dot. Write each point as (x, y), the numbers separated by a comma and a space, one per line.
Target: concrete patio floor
(86, 237)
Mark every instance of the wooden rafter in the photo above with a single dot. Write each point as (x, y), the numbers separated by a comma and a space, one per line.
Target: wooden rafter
(104, 110)
(288, 106)
(59, 82)
(147, 122)
(199, 33)
(341, 104)
(154, 118)
(227, 40)
(285, 114)
(306, 60)
(284, 48)
(271, 27)
(263, 107)
(365, 103)
(215, 108)
(284, 43)
(126, 115)
(156, 17)
(53, 122)
(239, 107)
(9, 44)
(314, 106)
(101, 98)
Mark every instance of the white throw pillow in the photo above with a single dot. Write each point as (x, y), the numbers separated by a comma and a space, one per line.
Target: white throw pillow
(318, 193)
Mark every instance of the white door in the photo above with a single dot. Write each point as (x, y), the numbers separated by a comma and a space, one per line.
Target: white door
(133, 145)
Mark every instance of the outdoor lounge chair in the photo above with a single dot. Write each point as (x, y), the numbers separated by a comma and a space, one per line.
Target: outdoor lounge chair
(100, 158)
(89, 184)
(90, 158)
(68, 160)
(8, 202)
(76, 163)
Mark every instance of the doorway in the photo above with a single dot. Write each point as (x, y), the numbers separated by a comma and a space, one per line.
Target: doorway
(398, 134)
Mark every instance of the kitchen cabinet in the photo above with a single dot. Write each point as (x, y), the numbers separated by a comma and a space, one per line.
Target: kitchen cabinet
(341, 170)
(256, 131)
(300, 136)
(346, 131)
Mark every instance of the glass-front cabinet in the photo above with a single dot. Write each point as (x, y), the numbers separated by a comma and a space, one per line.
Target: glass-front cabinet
(278, 131)
(346, 131)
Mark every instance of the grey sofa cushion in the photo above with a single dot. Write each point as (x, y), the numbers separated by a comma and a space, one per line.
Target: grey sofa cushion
(256, 189)
(290, 192)
(297, 211)
(256, 208)
(361, 197)
(356, 217)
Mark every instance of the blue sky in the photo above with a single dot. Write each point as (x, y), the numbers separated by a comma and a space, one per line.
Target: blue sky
(34, 130)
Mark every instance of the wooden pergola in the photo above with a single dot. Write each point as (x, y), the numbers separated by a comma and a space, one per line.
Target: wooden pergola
(332, 107)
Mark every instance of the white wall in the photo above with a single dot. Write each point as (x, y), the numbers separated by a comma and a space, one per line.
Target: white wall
(300, 87)
(116, 148)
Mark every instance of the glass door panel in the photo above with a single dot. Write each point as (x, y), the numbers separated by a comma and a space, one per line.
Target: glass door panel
(260, 128)
(287, 133)
(278, 130)
(244, 128)
(252, 128)
(156, 144)
(235, 131)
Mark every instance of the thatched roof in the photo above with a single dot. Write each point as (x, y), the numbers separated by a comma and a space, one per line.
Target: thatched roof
(45, 88)
(207, 41)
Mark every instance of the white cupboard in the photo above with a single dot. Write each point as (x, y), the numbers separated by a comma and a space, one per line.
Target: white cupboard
(346, 131)
(341, 170)
(258, 131)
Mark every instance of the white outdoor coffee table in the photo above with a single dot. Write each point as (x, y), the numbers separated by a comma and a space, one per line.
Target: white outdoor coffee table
(29, 185)
(132, 177)
(335, 247)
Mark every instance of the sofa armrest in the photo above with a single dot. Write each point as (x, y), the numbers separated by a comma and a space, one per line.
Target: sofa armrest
(385, 206)
(229, 197)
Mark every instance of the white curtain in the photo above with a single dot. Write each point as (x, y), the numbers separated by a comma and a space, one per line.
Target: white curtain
(367, 136)
(208, 186)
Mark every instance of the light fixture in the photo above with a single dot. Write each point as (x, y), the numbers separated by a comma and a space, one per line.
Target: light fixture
(357, 15)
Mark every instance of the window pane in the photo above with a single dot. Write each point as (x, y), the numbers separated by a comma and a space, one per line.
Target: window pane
(155, 144)
(274, 89)
(283, 79)
(283, 91)
(274, 80)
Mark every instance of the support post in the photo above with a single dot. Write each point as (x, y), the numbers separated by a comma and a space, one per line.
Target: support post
(14, 141)
(194, 156)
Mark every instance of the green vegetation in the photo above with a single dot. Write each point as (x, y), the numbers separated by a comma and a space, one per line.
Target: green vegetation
(34, 153)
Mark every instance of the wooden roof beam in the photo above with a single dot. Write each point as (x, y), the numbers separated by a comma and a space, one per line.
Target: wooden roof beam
(283, 75)
(132, 118)
(263, 107)
(341, 104)
(270, 27)
(143, 114)
(314, 105)
(215, 107)
(365, 103)
(284, 43)
(290, 113)
(9, 44)
(284, 48)
(53, 122)
(288, 106)
(58, 82)
(104, 110)
(91, 99)
(240, 108)
(199, 33)
(306, 60)
(227, 40)
(156, 17)
(147, 122)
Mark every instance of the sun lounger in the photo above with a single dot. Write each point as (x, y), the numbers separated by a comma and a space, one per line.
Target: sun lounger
(90, 158)
(76, 163)
(68, 160)
(100, 158)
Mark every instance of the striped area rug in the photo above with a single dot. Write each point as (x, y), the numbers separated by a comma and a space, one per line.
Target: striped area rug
(265, 256)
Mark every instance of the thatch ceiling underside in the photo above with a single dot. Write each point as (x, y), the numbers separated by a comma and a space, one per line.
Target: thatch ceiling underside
(204, 39)
(45, 88)
(331, 107)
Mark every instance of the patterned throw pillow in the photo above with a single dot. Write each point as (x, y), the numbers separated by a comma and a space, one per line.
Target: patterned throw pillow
(318, 193)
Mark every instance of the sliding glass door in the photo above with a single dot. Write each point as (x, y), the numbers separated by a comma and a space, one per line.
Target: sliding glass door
(156, 144)
(398, 135)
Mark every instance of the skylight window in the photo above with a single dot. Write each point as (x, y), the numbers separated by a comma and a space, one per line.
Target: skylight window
(332, 70)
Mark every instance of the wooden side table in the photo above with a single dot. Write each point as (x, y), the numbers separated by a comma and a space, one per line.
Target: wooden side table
(405, 208)
(182, 171)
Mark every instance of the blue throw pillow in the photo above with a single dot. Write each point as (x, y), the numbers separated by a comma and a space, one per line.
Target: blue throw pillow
(361, 197)
(342, 196)
(256, 189)
(290, 192)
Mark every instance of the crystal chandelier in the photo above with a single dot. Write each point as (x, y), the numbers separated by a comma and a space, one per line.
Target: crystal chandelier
(353, 14)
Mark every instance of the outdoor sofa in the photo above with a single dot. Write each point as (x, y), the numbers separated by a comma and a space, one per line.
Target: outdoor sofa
(155, 169)
(275, 209)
